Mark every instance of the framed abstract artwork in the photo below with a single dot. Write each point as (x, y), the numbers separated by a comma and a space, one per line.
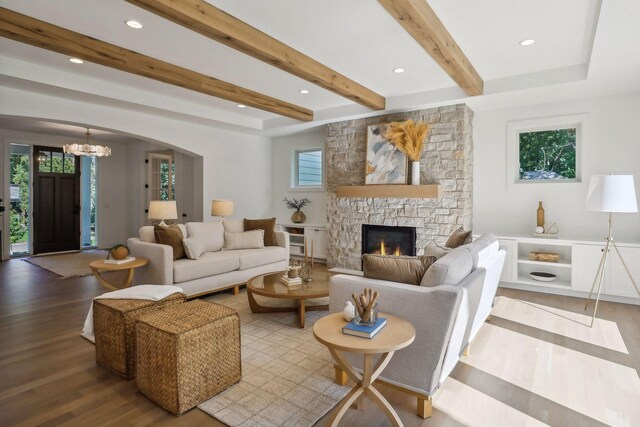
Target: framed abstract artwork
(385, 163)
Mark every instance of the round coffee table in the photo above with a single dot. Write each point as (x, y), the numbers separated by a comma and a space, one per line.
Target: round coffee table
(396, 335)
(100, 265)
(269, 285)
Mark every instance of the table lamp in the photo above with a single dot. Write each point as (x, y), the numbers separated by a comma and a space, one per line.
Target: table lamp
(222, 208)
(163, 209)
(611, 194)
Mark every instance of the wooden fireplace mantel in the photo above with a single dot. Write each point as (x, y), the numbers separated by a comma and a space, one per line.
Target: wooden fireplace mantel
(430, 191)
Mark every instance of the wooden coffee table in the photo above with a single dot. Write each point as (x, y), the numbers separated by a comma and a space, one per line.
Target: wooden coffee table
(100, 265)
(269, 285)
(396, 335)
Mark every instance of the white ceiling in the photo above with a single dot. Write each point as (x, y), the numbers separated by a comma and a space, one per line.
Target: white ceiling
(358, 38)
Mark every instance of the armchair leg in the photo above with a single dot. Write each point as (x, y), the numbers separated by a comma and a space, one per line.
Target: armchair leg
(341, 376)
(465, 352)
(424, 407)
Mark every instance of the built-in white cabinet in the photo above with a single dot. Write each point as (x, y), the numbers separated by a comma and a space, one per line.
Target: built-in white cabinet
(312, 235)
(576, 269)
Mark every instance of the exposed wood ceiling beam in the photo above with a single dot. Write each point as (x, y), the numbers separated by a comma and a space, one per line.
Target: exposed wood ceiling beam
(206, 19)
(38, 33)
(421, 22)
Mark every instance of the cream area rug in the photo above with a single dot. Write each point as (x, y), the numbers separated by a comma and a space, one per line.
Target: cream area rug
(68, 265)
(287, 376)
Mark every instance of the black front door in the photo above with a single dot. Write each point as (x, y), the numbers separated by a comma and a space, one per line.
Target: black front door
(56, 200)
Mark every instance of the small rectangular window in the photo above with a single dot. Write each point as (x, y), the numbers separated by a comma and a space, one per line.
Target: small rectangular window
(309, 169)
(548, 154)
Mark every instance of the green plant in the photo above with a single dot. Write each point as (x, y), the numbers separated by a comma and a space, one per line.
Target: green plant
(551, 151)
(296, 204)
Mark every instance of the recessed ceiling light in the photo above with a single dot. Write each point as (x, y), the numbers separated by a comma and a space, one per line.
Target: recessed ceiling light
(241, 106)
(133, 24)
(398, 70)
(304, 91)
(76, 60)
(527, 42)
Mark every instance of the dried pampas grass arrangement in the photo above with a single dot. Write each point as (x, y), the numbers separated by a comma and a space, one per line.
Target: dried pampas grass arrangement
(408, 137)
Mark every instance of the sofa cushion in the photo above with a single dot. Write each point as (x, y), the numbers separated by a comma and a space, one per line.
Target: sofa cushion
(247, 240)
(400, 269)
(483, 249)
(450, 269)
(434, 249)
(267, 224)
(458, 238)
(147, 235)
(172, 236)
(193, 247)
(250, 258)
(233, 225)
(209, 264)
(211, 234)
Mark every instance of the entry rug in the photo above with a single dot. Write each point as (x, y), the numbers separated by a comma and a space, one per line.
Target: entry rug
(68, 265)
(287, 376)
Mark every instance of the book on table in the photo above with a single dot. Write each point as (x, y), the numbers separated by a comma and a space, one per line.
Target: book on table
(288, 281)
(120, 261)
(364, 331)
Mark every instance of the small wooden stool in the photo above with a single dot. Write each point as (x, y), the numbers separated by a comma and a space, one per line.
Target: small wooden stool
(187, 354)
(114, 325)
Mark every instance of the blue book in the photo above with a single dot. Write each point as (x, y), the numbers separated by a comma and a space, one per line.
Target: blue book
(364, 331)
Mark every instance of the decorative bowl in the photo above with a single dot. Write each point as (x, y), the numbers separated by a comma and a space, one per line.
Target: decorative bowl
(542, 276)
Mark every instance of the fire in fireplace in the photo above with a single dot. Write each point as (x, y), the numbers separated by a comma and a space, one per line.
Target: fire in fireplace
(388, 240)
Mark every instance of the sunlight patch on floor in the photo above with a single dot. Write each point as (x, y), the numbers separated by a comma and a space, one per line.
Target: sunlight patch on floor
(597, 388)
(604, 333)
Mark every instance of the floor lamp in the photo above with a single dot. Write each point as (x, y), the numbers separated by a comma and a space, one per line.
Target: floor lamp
(611, 194)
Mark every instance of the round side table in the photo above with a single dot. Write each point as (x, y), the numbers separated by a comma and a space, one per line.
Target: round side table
(100, 265)
(396, 335)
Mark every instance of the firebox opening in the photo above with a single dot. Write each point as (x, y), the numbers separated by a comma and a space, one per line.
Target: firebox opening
(388, 240)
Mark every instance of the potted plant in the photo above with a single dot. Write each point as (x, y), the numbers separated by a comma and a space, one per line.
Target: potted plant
(408, 137)
(298, 216)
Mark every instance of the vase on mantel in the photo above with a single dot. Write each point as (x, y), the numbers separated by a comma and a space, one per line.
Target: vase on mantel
(415, 173)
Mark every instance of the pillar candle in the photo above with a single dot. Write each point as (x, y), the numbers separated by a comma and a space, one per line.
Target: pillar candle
(312, 253)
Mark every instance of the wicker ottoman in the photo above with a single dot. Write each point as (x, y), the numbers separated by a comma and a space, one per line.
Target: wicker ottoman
(115, 330)
(187, 354)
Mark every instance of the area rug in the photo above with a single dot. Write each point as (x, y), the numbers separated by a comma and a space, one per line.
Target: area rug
(68, 265)
(287, 376)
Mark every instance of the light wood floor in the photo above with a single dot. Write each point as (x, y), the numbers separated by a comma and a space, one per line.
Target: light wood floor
(48, 374)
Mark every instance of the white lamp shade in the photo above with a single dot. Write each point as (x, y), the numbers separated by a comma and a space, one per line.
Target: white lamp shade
(221, 207)
(612, 193)
(161, 209)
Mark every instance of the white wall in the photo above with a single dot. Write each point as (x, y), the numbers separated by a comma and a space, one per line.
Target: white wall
(611, 145)
(234, 165)
(282, 158)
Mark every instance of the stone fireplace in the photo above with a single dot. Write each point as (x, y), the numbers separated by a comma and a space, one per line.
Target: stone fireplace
(446, 159)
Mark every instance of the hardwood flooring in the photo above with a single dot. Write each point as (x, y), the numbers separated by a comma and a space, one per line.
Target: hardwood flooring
(48, 374)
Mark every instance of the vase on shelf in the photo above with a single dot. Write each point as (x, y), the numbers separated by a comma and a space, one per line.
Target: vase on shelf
(415, 173)
(298, 217)
(540, 216)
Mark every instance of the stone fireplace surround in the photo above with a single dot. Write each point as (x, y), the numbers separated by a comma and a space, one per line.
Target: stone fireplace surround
(446, 159)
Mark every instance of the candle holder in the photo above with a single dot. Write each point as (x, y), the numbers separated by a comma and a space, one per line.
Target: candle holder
(307, 271)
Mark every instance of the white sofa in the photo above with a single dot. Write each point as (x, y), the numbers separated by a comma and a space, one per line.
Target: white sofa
(215, 269)
(447, 311)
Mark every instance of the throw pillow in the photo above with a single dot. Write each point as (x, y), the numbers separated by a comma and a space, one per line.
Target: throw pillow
(247, 240)
(268, 225)
(459, 238)
(210, 234)
(193, 247)
(399, 269)
(172, 236)
(146, 234)
(434, 249)
(233, 225)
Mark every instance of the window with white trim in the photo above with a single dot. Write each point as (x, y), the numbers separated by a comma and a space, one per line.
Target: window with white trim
(308, 168)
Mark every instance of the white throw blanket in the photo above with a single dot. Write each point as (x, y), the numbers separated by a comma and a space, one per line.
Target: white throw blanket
(147, 292)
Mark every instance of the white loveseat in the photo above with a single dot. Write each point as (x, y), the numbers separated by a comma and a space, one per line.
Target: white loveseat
(216, 268)
(447, 311)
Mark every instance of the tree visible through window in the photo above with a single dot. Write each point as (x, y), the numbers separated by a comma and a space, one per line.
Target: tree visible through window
(548, 154)
(309, 168)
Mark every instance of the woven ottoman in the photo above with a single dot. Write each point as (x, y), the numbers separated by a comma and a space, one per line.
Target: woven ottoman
(114, 322)
(187, 354)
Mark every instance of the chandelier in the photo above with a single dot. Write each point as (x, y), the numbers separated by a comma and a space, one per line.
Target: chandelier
(87, 149)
